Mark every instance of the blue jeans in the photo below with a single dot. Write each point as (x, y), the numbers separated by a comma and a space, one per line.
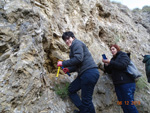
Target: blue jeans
(125, 95)
(86, 82)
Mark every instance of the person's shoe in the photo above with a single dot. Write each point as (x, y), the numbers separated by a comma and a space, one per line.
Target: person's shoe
(76, 111)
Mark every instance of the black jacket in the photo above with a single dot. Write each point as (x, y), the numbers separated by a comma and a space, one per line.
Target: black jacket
(80, 58)
(117, 68)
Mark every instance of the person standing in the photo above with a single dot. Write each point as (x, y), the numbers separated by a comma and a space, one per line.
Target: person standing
(123, 82)
(80, 61)
(146, 60)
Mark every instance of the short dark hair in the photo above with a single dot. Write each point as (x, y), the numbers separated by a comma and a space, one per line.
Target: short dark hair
(116, 46)
(67, 35)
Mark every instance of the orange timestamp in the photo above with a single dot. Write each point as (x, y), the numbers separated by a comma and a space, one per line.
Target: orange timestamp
(129, 103)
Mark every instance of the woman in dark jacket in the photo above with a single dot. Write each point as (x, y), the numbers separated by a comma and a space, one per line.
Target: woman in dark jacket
(146, 60)
(123, 82)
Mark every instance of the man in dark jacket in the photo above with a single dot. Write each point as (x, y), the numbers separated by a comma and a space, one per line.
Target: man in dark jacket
(146, 60)
(82, 62)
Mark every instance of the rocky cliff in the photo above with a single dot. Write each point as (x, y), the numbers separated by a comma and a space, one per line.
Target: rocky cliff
(31, 44)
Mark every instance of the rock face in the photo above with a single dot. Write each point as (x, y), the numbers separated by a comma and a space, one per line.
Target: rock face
(31, 44)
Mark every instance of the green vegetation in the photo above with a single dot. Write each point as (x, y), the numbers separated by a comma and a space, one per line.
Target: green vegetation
(136, 10)
(62, 90)
(118, 37)
(144, 9)
(141, 83)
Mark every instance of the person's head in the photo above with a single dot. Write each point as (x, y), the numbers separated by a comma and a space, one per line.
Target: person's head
(68, 37)
(114, 49)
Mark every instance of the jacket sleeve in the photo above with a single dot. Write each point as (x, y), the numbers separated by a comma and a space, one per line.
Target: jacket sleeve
(121, 63)
(77, 58)
(72, 69)
(107, 69)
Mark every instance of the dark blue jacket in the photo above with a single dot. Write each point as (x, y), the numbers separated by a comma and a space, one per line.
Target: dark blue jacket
(117, 68)
(80, 58)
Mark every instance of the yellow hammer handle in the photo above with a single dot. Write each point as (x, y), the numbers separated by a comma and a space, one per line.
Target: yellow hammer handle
(58, 71)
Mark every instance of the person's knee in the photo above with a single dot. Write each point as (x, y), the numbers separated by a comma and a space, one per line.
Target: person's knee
(70, 90)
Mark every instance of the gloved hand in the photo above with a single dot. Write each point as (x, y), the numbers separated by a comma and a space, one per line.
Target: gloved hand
(59, 63)
(66, 70)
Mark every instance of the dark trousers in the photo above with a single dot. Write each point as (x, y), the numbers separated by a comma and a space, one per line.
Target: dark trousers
(86, 82)
(125, 94)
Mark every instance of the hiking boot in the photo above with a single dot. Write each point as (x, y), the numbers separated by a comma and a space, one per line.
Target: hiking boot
(76, 111)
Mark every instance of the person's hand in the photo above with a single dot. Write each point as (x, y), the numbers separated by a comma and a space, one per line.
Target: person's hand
(106, 61)
(59, 63)
(66, 70)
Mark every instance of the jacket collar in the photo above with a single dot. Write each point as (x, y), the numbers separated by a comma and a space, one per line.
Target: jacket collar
(117, 54)
(73, 42)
